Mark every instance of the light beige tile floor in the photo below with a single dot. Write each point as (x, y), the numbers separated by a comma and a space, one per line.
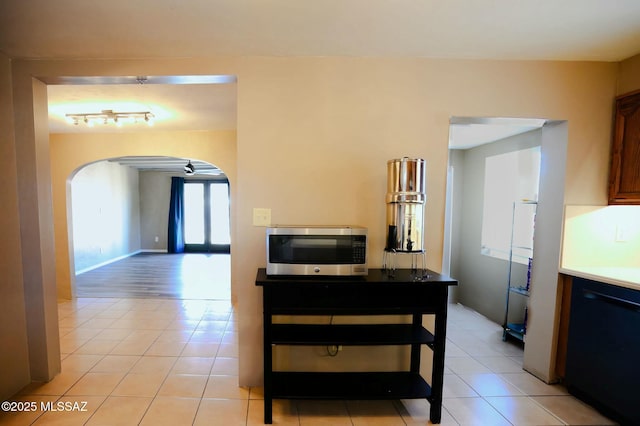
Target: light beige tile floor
(175, 362)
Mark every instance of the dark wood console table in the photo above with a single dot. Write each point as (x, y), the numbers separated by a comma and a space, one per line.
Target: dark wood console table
(404, 293)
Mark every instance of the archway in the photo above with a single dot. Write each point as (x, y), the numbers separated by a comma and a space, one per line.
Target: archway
(118, 211)
(71, 152)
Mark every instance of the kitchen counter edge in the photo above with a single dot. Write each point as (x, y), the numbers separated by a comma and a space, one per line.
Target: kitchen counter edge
(607, 275)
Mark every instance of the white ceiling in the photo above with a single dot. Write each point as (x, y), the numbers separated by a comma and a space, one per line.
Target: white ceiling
(589, 30)
(170, 165)
(592, 30)
(469, 132)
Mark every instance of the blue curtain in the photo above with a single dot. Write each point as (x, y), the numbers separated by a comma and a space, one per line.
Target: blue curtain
(175, 237)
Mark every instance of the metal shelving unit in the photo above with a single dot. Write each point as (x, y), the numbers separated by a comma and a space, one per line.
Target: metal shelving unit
(519, 275)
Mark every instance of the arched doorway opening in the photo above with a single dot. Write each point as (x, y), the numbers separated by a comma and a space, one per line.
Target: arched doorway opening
(119, 212)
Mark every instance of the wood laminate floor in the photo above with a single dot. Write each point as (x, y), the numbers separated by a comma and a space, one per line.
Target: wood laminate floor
(161, 275)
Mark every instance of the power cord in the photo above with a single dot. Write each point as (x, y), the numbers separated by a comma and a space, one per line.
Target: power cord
(332, 350)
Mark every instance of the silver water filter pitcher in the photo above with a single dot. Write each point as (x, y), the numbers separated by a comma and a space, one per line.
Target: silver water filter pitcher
(405, 200)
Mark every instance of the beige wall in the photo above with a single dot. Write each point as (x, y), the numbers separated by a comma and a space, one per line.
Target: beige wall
(70, 152)
(629, 76)
(326, 128)
(36, 233)
(314, 135)
(14, 356)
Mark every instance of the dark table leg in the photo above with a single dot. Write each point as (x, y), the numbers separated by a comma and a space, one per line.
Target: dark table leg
(435, 413)
(415, 348)
(268, 365)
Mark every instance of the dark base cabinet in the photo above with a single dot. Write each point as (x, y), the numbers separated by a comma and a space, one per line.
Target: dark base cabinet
(404, 293)
(603, 349)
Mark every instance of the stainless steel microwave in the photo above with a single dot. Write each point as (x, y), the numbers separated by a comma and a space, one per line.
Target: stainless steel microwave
(317, 250)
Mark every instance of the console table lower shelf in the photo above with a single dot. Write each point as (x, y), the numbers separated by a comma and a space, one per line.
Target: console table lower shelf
(374, 385)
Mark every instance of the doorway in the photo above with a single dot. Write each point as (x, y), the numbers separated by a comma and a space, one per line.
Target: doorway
(206, 216)
(118, 216)
(193, 116)
(539, 351)
(488, 171)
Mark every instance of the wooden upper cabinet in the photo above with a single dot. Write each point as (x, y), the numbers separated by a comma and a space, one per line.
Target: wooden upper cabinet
(624, 175)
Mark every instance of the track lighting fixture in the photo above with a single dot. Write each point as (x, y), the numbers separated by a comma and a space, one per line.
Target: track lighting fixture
(107, 116)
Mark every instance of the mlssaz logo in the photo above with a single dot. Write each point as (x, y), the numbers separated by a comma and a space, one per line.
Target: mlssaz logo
(63, 406)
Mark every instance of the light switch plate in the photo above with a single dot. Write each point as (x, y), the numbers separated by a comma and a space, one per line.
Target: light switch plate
(261, 216)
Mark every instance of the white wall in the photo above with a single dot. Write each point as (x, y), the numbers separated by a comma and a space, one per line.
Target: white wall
(105, 212)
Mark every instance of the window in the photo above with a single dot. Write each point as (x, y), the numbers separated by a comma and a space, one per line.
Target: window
(511, 177)
(206, 216)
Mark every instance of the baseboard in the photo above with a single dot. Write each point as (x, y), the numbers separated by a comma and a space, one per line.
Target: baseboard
(107, 262)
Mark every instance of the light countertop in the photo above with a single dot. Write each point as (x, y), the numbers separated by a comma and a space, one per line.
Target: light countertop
(624, 277)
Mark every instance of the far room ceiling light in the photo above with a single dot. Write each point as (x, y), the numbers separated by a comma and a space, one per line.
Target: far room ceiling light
(189, 169)
(109, 116)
